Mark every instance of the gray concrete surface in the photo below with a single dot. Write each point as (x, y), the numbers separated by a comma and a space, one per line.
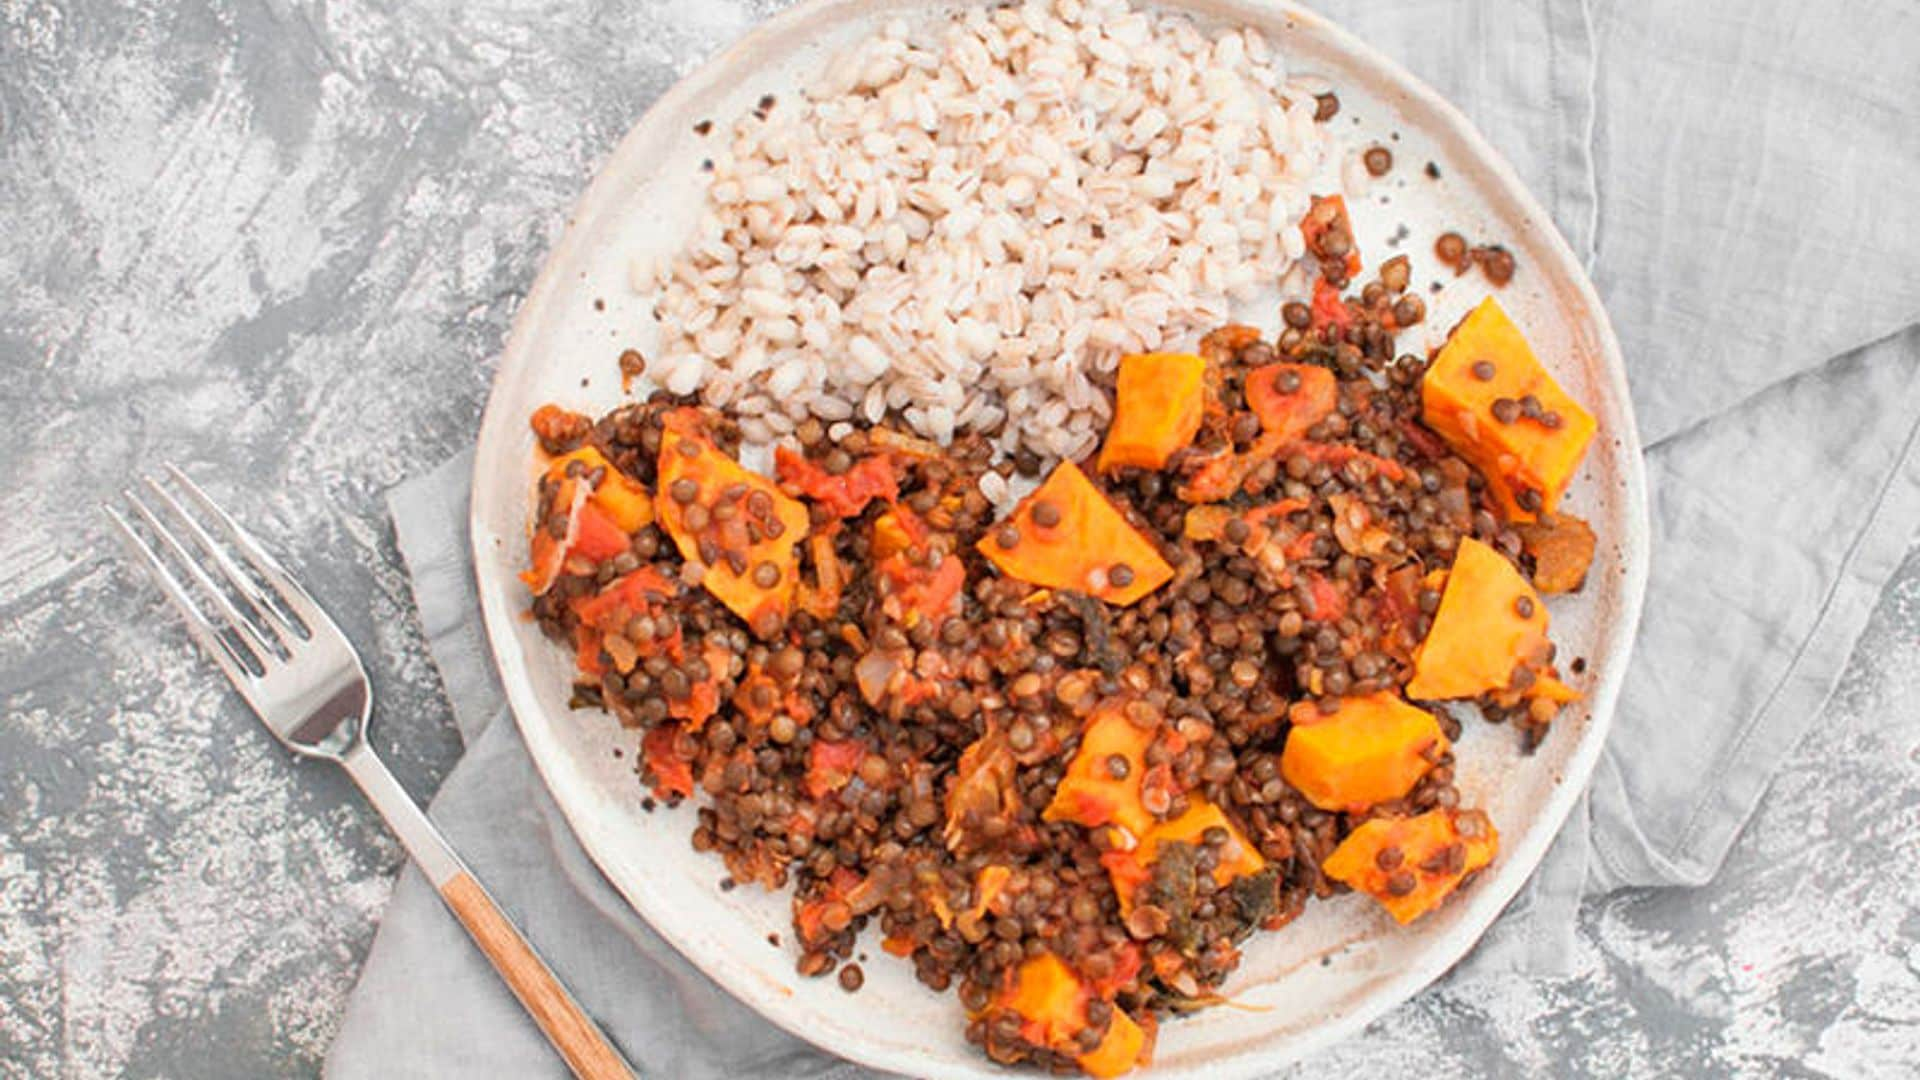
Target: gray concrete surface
(279, 246)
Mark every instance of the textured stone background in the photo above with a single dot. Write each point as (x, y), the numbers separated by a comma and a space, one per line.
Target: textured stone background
(278, 245)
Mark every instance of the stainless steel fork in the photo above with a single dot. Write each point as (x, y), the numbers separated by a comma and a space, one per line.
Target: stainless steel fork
(306, 683)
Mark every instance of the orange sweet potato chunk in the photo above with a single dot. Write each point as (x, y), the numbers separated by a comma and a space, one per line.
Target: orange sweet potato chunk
(626, 500)
(1089, 793)
(1124, 1046)
(1411, 864)
(1049, 997)
(1237, 857)
(1518, 457)
(1051, 1001)
(1479, 633)
(1373, 749)
(600, 519)
(1089, 548)
(687, 454)
(1158, 402)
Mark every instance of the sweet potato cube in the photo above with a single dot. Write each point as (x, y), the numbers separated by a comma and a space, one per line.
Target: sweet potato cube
(1157, 406)
(1087, 547)
(1373, 749)
(600, 520)
(1526, 459)
(1123, 1047)
(1090, 793)
(1051, 1001)
(626, 500)
(1480, 634)
(687, 454)
(1050, 998)
(1237, 857)
(1411, 864)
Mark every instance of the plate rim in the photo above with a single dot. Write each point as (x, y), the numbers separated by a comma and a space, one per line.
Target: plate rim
(1486, 903)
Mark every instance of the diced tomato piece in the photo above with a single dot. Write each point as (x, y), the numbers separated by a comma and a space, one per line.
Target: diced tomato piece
(550, 552)
(845, 495)
(701, 702)
(1336, 455)
(830, 765)
(1323, 213)
(672, 774)
(635, 592)
(599, 536)
(1127, 873)
(586, 651)
(920, 593)
(1329, 603)
(1273, 513)
(1288, 414)
(1328, 309)
(549, 559)
(703, 698)
(1127, 962)
(809, 916)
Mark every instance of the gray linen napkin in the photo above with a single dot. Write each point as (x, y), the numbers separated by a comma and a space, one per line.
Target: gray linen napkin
(1739, 182)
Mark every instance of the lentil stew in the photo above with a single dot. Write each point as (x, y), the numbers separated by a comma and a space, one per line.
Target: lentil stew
(1065, 757)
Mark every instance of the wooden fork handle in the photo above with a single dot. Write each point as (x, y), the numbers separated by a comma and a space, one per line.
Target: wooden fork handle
(581, 1043)
(572, 1033)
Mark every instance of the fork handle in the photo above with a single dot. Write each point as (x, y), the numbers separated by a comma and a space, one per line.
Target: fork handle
(566, 1025)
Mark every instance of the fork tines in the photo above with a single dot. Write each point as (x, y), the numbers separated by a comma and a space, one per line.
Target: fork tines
(258, 612)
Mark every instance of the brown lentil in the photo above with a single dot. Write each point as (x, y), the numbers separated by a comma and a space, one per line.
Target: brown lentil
(1497, 263)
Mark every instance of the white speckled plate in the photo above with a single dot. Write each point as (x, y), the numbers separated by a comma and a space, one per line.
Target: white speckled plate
(1343, 963)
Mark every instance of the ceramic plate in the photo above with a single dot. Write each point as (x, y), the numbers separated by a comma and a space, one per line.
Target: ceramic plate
(1344, 962)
